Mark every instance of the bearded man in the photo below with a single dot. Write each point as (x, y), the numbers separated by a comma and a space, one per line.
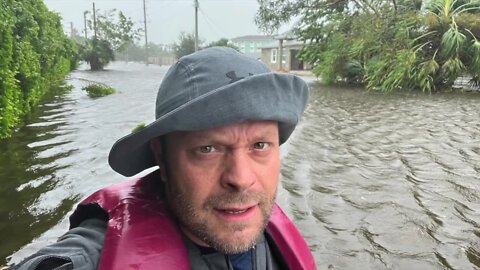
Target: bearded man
(220, 120)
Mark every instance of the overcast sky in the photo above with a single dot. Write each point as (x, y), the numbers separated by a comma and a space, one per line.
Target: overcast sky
(167, 18)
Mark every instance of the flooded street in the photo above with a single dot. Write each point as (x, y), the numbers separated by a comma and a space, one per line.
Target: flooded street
(387, 181)
(373, 181)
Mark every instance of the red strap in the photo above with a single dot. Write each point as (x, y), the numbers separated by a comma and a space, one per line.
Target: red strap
(290, 242)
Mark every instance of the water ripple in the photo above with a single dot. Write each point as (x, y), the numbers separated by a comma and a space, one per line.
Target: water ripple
(394, 180)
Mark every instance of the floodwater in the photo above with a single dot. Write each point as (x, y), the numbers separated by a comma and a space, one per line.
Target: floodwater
(373, 181)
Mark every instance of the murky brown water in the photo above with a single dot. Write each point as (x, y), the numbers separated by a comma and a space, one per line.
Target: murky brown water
(373, 181)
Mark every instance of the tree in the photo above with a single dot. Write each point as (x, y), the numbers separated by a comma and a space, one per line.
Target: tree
(112, 35)
(223, 42)
(185, 45)
(385, 44)
(97, 52)
(119, 32)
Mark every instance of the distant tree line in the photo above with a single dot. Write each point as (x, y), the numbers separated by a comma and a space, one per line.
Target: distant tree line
(136, 53)
(183, 46)
(384, 44)
(186, 44)
(34, 54)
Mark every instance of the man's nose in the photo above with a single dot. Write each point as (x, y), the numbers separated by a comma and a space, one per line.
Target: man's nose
(239, 171)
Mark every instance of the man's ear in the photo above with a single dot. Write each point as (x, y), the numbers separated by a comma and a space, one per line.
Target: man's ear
(157, 148)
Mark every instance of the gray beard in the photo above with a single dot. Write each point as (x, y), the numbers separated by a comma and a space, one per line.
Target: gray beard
(190, 219)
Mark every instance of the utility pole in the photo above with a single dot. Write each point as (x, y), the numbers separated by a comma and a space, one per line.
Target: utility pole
(146, 38)
(280, 54)
(281, 39)
(85, 24)
(71, 29)
(94, 23)
(196, 25)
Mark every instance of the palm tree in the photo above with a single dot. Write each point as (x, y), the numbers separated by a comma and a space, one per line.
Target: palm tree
(458, 50)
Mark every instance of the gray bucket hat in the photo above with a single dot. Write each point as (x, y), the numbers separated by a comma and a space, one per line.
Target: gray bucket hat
(211, 88)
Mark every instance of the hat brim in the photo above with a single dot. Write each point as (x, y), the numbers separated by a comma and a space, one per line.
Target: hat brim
(268, 96)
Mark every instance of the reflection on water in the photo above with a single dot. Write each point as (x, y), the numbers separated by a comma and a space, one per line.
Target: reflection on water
(373, 181)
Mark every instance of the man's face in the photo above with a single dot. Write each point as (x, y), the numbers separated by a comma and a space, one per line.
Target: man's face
(222, 182)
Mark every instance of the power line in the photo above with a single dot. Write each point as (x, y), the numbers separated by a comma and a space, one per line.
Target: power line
(212, 24)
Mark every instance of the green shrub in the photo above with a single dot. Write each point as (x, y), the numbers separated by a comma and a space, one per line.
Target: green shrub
(98, 90)
(138, 127)
(35, 54)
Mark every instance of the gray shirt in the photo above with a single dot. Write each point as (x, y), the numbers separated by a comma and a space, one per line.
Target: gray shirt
(81, 248)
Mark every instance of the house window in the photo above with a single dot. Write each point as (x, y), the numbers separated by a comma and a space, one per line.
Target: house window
(273, 56)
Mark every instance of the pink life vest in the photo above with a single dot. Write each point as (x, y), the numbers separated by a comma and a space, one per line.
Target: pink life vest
(142, 233)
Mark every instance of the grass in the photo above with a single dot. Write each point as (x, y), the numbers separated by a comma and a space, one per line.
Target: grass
(98, 90)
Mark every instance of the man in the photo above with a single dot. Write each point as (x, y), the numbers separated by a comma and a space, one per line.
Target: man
(220, 120)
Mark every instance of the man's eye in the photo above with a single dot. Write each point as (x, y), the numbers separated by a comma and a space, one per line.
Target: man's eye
(206, 149)
(260, 145)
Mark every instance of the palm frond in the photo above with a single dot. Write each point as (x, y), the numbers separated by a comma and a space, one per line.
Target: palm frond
(452, 42)
(476, 46)
(430, 66)
(461, 9)
(452, 68)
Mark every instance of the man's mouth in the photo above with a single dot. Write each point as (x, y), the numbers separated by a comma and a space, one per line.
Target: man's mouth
(236, 212)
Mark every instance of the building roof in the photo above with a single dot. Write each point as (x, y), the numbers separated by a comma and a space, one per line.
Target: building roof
(253, 38)
(287, 35)
(286, 43)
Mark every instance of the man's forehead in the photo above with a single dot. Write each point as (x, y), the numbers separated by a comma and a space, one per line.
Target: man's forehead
(252, 128)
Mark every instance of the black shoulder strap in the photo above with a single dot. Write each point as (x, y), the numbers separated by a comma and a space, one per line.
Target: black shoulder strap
(198, 261)
(87, 211)
(274, 254)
